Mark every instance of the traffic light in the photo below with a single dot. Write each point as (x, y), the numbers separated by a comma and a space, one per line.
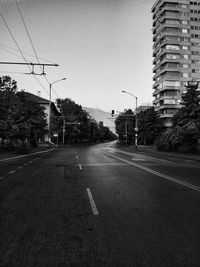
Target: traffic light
(112, 113)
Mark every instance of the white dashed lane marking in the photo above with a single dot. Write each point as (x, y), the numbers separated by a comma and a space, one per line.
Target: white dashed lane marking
(19, 168)
(11, 172)
(92, 203)
(80, 167)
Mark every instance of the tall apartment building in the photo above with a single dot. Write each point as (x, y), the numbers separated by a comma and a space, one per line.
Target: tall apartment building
(176, 52)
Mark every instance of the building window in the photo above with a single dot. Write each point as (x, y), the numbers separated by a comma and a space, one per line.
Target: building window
(185, 75)
(184, 30)
(172, 47)
(185, 66)
(172, 56)
(171, 83)
(185, 56)
(184, 6)
(184, 22)
(185, 47)
(184, 39)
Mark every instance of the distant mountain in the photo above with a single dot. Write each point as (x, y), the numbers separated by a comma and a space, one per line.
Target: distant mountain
(100, 115)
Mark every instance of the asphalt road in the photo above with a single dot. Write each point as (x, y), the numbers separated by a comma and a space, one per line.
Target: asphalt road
(98, 206)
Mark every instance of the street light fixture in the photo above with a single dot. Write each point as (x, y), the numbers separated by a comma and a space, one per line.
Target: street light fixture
(136, 118)
(50, 87)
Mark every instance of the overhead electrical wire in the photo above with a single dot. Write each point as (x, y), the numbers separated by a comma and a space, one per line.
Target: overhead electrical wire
(26, 28)
(2, 46)
(20, 50)
(13, 53)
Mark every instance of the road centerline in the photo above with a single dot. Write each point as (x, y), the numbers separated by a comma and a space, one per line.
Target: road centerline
(92, 202)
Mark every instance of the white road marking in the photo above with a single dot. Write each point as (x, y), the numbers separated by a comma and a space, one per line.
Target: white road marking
(20, 167)
(22, 156)
(92, 203)
(2, 177)
(11, 172)
(191, 186)
(30, 161)
(77, 156)
(104, 164)
(80, 167)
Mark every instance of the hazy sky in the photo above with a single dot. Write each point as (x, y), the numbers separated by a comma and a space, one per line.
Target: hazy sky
(101, 46)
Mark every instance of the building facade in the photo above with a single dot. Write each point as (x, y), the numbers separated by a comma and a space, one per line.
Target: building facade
(176, 52)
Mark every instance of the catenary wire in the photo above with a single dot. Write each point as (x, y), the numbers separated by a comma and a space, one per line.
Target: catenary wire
(21, 51)
(26, 28)
(2, 46)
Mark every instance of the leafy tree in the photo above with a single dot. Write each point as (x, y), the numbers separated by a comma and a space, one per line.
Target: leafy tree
(8, 89)
(188, 117)
(30, 119)
(125, 124)
(20, 118)
(185, 132)
(149, 126)
(88, 129)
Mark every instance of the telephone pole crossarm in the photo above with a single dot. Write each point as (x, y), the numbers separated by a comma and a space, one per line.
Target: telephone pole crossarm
(29, 63)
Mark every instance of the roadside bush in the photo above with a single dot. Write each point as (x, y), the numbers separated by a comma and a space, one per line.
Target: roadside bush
(163, 143)
(180, 139)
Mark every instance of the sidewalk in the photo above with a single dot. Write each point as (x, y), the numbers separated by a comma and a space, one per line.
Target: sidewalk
(152, 150)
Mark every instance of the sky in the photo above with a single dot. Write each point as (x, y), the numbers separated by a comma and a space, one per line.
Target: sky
(102, 47)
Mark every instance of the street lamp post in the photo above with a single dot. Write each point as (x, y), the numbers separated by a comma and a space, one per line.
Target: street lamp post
(136, 118)
(50, 87)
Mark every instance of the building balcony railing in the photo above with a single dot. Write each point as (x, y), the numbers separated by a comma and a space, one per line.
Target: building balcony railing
(170, 69)
(168, 88)
(171, 106)
(167, 115)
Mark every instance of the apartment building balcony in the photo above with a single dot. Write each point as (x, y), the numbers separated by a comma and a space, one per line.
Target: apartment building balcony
(157, 6)
(169, 106)
(156, 92)
(167, 115)
(172, 70)
(170, 88)
(165, 9)
(165, 97)
(164, 61)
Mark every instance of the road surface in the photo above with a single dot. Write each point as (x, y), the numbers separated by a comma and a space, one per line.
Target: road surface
(99, 206)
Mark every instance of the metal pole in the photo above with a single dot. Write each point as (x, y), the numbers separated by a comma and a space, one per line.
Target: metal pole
(126, 133)
(50, 86)
(136, 119)
(50, 112)
(63, 131)
(136, 126)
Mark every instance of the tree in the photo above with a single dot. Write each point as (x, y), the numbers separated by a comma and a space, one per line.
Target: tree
(20, 118)
(149, 126)
(125, 124)
(30, 120)
(88, 129)
(184, 135)
(8, 89)
(188, 118)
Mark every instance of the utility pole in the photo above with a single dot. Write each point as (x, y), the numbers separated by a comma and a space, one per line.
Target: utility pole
(63, 131)
(136, 119)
